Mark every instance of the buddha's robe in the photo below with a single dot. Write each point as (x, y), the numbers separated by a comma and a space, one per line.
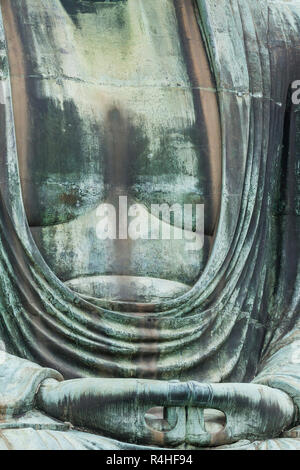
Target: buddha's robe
(240, 322)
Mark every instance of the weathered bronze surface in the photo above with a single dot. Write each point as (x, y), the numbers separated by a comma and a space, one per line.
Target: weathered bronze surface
(175, 101)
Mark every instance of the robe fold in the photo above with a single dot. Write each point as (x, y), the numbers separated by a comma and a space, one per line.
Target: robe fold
(240, 321)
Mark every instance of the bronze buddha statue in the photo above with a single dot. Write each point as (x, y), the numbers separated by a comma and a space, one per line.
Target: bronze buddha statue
(162, 102)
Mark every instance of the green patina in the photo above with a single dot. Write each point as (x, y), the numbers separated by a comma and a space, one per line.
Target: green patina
(230, 341)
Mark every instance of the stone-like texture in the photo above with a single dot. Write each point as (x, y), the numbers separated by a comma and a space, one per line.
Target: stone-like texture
(96, 127)
(240, 321)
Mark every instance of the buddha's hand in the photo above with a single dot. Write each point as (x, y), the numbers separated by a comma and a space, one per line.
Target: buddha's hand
(252, 411)
(120, 408)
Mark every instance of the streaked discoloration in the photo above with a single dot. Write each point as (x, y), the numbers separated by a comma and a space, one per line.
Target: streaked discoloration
(239, 323)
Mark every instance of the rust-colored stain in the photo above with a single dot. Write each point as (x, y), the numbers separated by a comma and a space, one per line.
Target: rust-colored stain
(69, 199)
(18, 85)
(6, 441)
(205, 101)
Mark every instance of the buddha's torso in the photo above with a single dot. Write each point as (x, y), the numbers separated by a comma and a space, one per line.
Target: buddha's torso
(108, 105)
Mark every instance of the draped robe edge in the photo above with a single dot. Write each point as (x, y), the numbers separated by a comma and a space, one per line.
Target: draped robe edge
(252, 310)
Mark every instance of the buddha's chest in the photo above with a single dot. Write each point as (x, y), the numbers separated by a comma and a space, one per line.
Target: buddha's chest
(105, 105)
(108, 104)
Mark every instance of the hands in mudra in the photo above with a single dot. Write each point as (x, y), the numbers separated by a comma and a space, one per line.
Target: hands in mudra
(118, 408)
